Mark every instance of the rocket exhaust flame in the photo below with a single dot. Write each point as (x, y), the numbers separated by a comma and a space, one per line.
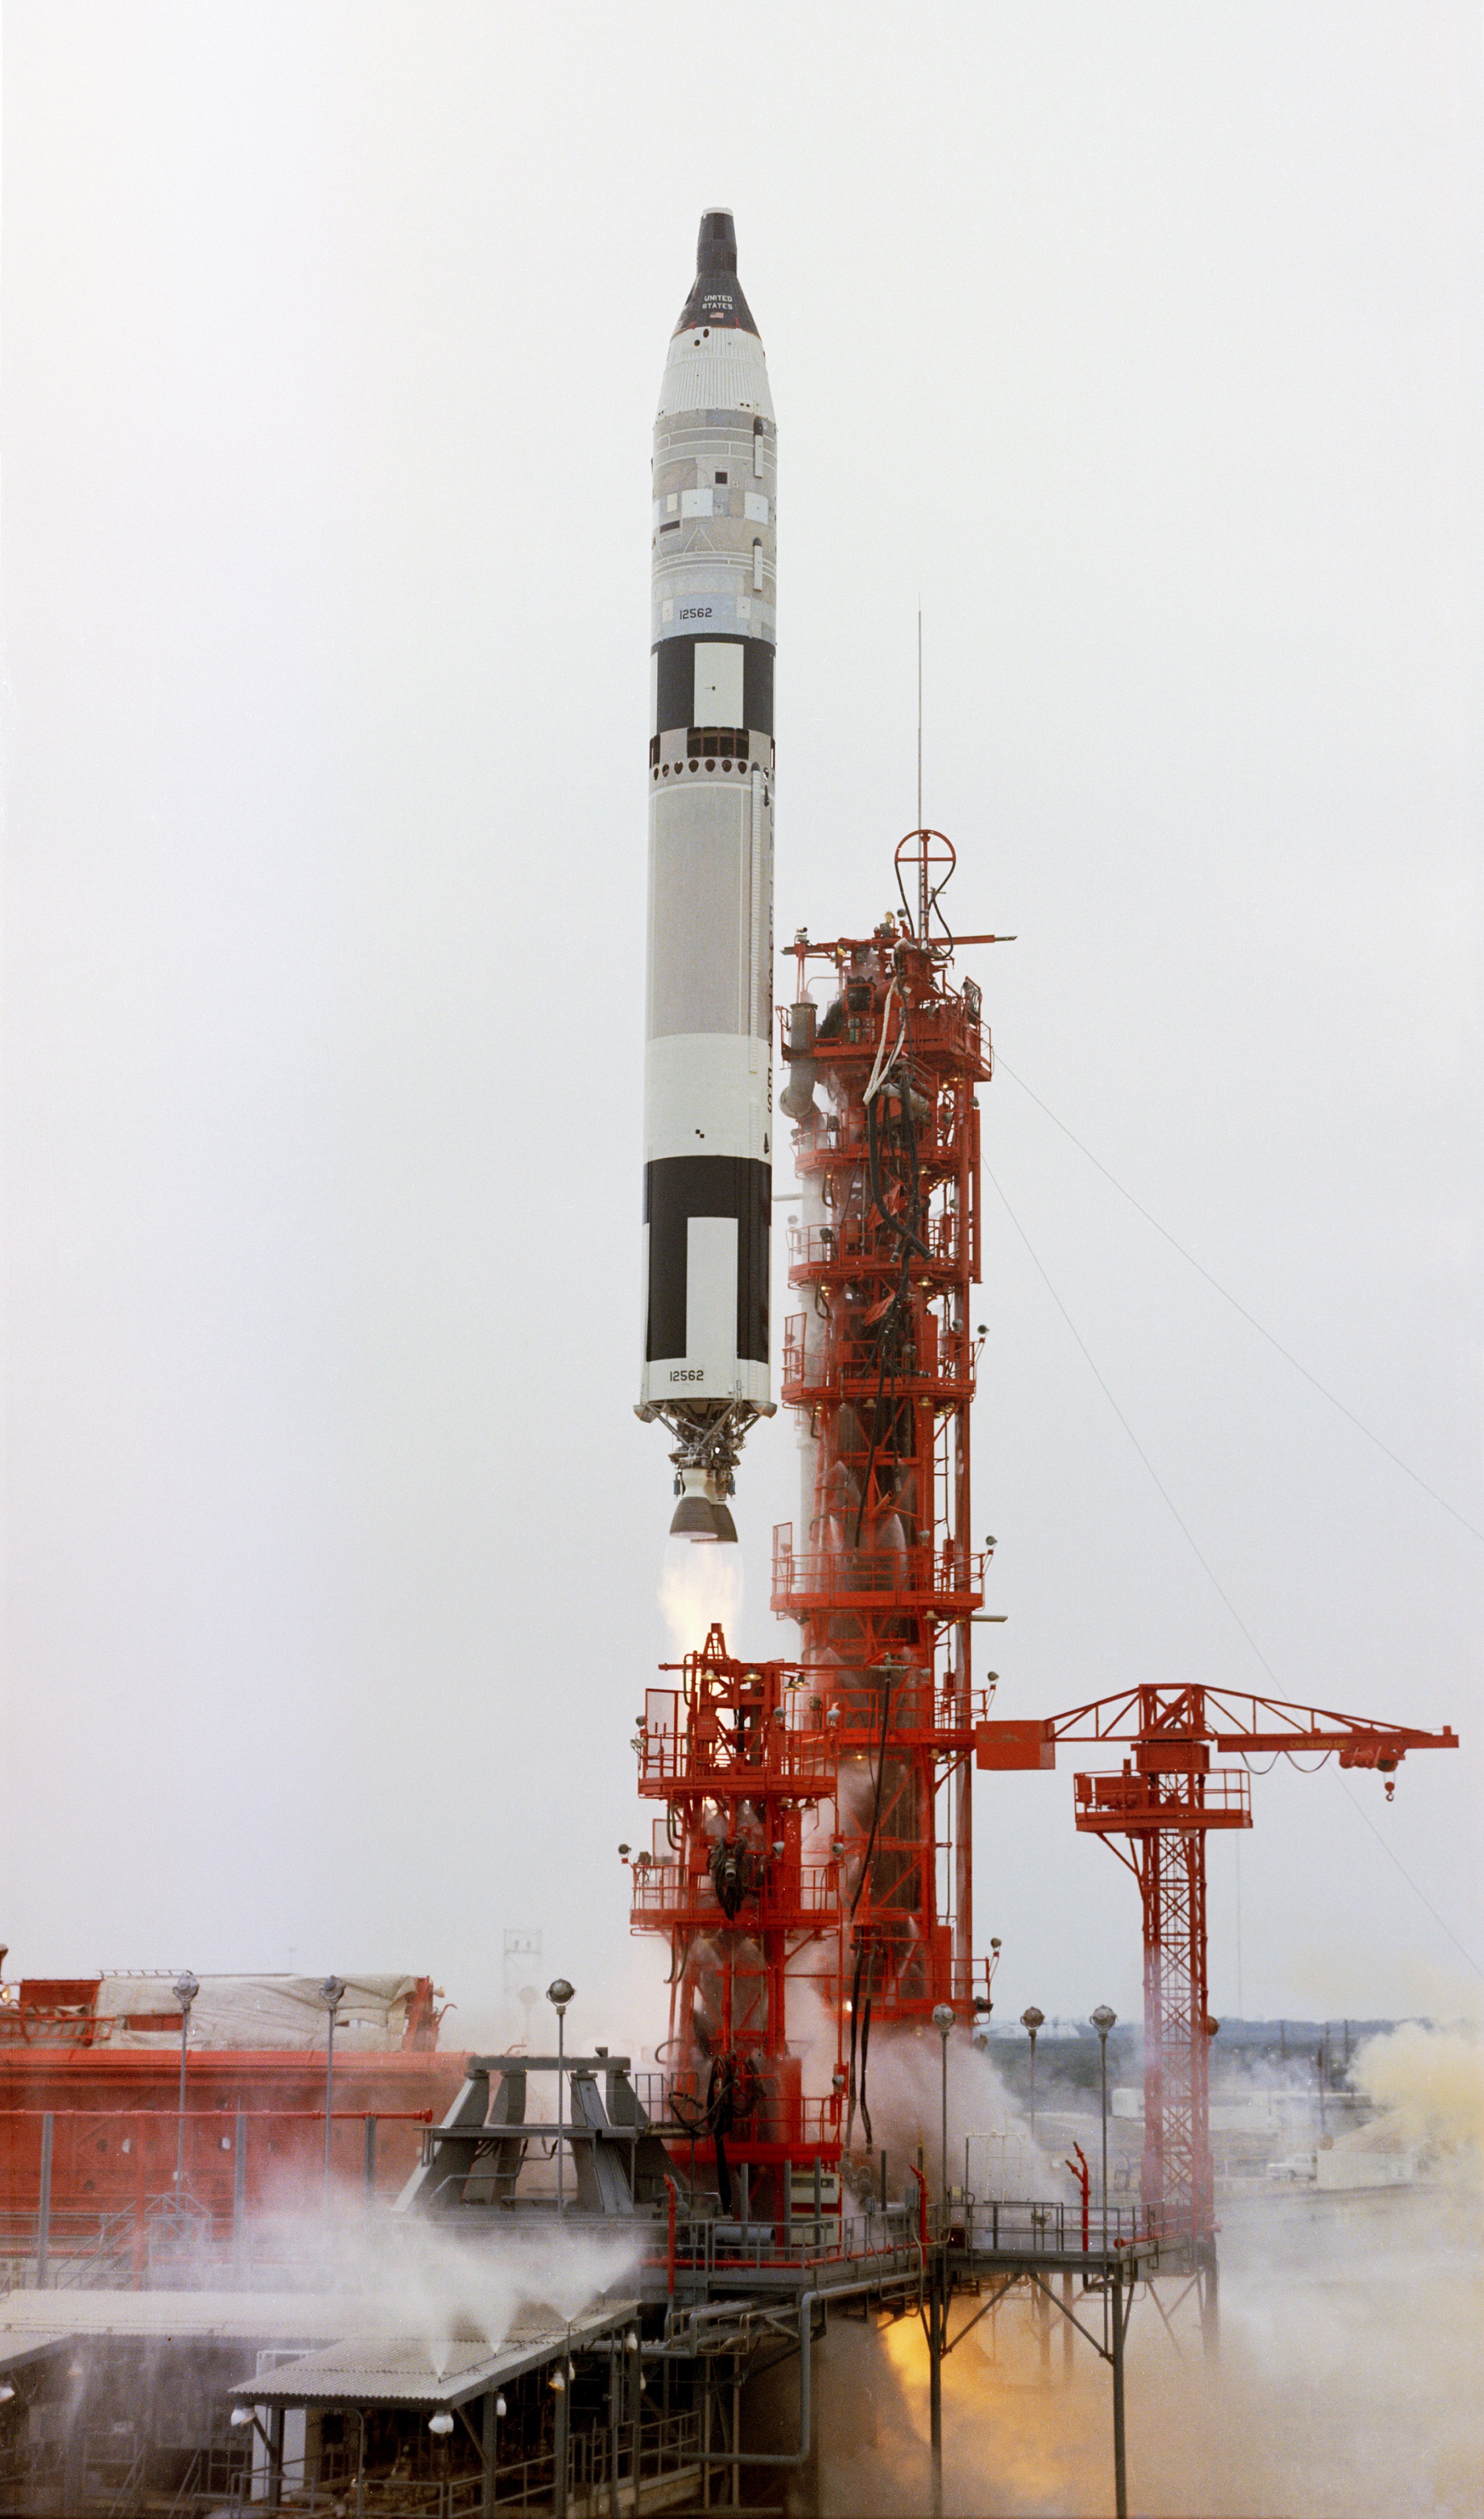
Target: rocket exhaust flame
(698, 1585)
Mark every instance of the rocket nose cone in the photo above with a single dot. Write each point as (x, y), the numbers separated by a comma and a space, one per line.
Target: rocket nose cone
(716, 299)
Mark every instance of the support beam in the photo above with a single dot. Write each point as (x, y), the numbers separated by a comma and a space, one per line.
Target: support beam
(1120, 2447)
(240, 2184)
(44, 2206)
(276, 2457)
(936, 2382)
(1210, 2313)
(490, 2449)
(562, 2433)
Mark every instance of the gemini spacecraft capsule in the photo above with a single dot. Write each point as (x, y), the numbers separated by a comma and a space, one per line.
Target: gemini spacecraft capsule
(707, 1055)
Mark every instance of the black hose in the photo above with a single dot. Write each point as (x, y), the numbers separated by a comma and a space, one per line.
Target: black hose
(908, 1242)
(906, 1235)
(880, 1384)
(849, 2120)
(716, 2115)
(881, 1769)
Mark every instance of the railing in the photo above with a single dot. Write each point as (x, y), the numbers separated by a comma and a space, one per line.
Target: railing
(819, 1360)
(836, 1148)
(877, 2238)
(831, 1574)
(1055, 2229)
(801, 2122)
(866, 1243)
(667, 1890)
(1222, 1799)
(772, 1756)
(98, 2184)
(77, 2251)
(940, 1028)
(329, 2485)
(601, 2458)
(877, 2241)
(220, 2478)
(916, 1706)
(597, 2458)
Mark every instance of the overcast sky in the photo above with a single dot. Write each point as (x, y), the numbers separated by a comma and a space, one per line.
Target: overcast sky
(1141, 346)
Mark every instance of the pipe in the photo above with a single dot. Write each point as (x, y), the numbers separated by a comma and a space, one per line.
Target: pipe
(801, 2456)
(44, 2206)
(561, 2436)
(937, 2307)
(1120, 2448)
(238, 2182)
(1084, 2177)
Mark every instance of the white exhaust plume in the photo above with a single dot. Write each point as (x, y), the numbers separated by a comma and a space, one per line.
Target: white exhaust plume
(1345, 2386)
(698, 1585)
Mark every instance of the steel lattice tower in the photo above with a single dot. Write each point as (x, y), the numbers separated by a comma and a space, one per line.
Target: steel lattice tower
(817, 1831)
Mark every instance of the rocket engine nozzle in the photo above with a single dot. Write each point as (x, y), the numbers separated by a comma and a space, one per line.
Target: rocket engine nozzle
(703, 1512)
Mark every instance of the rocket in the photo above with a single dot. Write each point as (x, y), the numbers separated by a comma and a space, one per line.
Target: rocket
(708, 1037)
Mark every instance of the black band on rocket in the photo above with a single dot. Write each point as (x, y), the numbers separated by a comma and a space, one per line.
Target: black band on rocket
(676, 694)
(682, 1187)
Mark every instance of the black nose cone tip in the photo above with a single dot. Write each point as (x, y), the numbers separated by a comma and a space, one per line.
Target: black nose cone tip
(716, 299)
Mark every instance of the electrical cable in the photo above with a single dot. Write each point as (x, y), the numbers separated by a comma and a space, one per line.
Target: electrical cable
(1174, 1508)
(1002, 1066)
(865, 1480)
(908, 1240)
(1361, 1813)
(849, 2122)
(880, 1072)
(1196, 1552)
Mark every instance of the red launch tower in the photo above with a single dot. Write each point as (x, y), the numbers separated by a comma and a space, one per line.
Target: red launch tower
(817, 1831)
(813, 1863)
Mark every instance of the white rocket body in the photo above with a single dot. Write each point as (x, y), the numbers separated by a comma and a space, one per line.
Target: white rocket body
(708, 1069)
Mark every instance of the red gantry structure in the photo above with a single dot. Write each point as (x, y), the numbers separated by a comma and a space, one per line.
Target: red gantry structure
(817, 1828)
(813, 1858)
(1165, 1799)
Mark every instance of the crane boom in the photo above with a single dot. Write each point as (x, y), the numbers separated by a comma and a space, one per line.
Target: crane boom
(1165, 1801)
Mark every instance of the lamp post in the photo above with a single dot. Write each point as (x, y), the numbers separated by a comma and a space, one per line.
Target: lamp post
(1030, 2021)
(332, 1993)
(184, 1990)
(560, 1993)
(942, 2022)
(1103, 2020)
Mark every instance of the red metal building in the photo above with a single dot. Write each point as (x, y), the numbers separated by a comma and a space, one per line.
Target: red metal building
(91, 2118)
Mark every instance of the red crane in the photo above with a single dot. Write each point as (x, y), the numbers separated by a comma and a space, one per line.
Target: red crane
(1165, 1799)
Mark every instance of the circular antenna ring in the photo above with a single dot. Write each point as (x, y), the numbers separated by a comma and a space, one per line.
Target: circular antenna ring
(925, 863)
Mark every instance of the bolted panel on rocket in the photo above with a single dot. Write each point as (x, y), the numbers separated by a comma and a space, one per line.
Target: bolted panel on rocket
(708, 1054)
